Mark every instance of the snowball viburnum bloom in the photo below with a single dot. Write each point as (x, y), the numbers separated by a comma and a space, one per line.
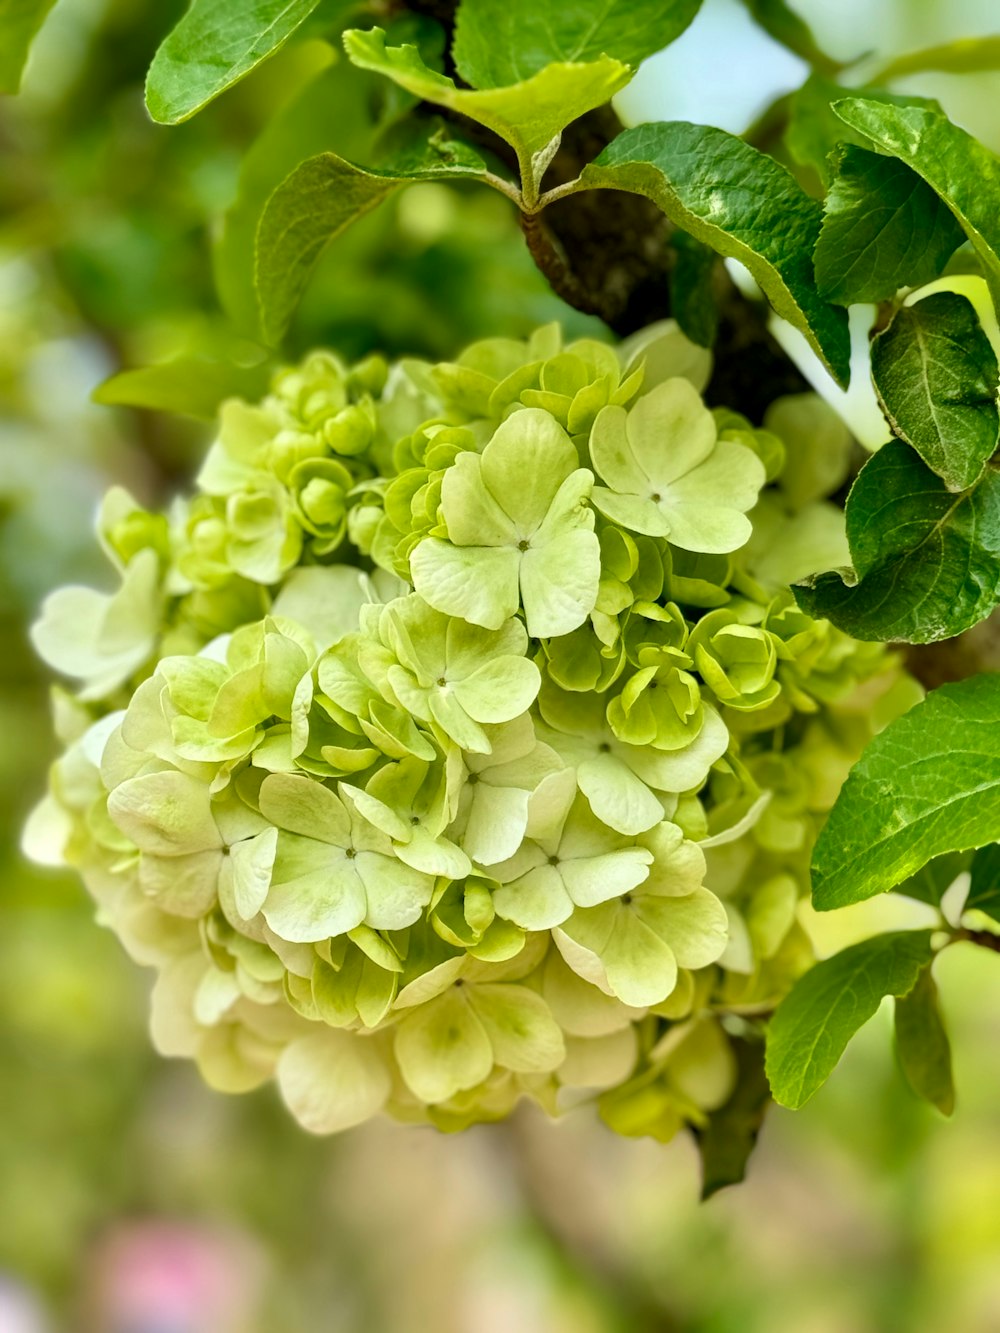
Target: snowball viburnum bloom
(333, 870)
(632, 946)
(463, 1017)
(668, 475)
(519, 532)
(448, 672)
(620, 778)
(568, 860)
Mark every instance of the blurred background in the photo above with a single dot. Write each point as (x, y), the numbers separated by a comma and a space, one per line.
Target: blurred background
(132, 1200)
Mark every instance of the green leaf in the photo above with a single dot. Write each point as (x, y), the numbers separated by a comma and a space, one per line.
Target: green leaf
(984, 891)
(188, 385)
(966, 55)
(926, 561)
(527, 115)
(740, 202)
(692, 301)
(885, 228)
(930, 883)
(936, 377)
(815, 129)
(215, 45)
(923, 1046)
(498, 42)
(928, 784)
(20, 21)
(786, 27)
(340, 96)
(963, 172)
(320, 199)
(729, 1137)
(813, 1024)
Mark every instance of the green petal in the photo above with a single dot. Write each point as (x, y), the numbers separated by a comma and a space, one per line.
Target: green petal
(396, 894)
(695, 926)
(471, 514)
(478, 583)
(315, 892)
(593, 880)
(636, 512)
(680, 770)
(617, 797)
(525, 463)
(495, 822)
(670, 431)
(524, 1035)
(536, 900)
(559, 583)
(302, 805)
(168, 813)
(442, 1048)
(612, 454)
(332, 1080)
(252, 862)
(499, 690)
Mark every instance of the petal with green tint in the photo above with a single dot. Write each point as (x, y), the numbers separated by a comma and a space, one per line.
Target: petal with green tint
(617, 797)
(478, 583)
(559, 582)
(695, 925)
(472, 513)
(520, 1027)
(396, 894)
(497, 818)
(252, 862)
(594, 879)
(332, 1080)
(499, 690)
(536, 900)
(442, 1048)
(525, 463)
(302, 805)
(167, 814)
(316, 891)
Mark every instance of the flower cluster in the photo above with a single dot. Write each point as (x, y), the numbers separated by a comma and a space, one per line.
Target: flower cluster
(460, 740)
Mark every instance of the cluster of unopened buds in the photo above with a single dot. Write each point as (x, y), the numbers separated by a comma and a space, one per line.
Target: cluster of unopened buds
(460, 739)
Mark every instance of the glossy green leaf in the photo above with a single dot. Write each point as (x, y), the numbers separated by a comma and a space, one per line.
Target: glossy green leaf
(528, 115)
(729, 1137)
(936, 376)
(963, 172)
(215, 45)
(20, 21)
(744, 205)
(190, 385)
(692, 300)
(923, 1046)
(319, 200)
(338, 96)
(782, 23)
(826, 1007)
(926, 785)
(984, 891)
(926, 561)
(966, 55)
(499, 42)
(884, 229)
(814, 128)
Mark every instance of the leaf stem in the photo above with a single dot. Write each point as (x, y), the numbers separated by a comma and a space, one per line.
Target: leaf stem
(505, 187)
